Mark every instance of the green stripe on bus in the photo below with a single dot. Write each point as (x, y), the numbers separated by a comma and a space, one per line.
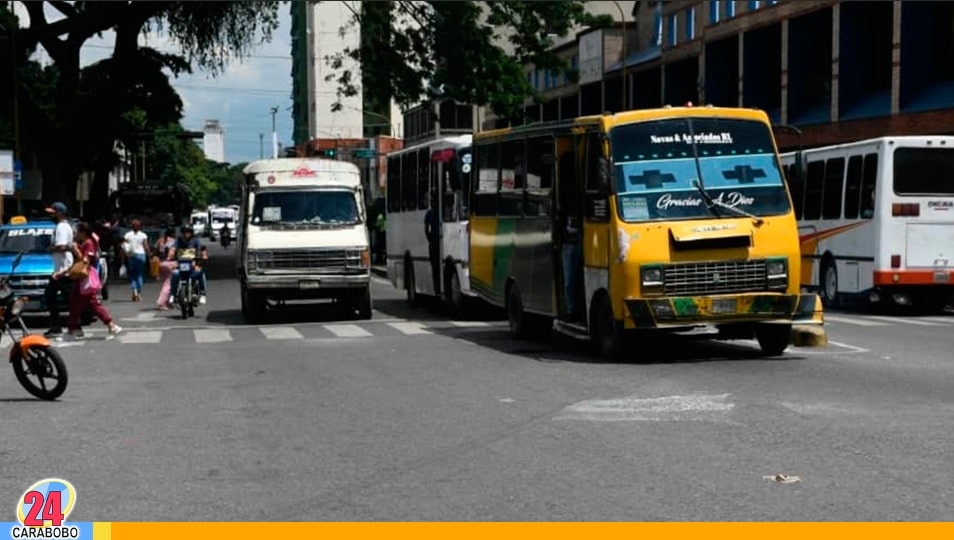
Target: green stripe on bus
(503, 253)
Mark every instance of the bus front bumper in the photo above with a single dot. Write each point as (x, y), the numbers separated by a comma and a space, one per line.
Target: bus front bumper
(802, 309)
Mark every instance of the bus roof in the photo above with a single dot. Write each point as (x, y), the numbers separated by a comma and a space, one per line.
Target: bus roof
(628, 117)
(291, 172)
(942, 141)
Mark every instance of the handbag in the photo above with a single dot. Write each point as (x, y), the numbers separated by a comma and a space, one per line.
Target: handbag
(79, 270)
(91, 284)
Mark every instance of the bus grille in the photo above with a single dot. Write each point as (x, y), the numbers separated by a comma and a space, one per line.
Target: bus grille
(715, 277)
(325, 259)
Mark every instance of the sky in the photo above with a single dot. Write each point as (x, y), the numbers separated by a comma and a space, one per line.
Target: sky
(240, 98)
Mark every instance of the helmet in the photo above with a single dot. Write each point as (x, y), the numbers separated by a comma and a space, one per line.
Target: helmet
(186, 228)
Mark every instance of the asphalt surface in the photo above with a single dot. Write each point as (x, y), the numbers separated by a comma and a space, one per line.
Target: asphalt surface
(411, 416)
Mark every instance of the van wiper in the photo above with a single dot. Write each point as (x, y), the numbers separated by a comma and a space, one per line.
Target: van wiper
(712, 203)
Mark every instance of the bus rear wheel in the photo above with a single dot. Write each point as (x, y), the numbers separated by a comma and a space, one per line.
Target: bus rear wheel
(410, 286)
(452, 293)
(516, 316)
(829, 283)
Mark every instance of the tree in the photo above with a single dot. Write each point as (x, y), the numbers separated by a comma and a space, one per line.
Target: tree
(453, 49)
(209, 35)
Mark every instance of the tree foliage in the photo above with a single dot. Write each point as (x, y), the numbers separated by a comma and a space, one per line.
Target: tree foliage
(173, 159)
(468, 51)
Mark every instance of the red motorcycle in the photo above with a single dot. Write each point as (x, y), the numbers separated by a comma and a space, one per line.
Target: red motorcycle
(32, 355)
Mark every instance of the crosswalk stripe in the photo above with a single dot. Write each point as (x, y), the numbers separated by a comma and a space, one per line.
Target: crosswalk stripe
(212, 336)
(280, 332)
(903, 320)
(857, 322)
(149, 336)
(409, 328)
(470, 324)
(347, 330)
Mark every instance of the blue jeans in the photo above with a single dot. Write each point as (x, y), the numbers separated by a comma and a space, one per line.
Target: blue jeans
(571, 277)
(135, 266)
(174, 282)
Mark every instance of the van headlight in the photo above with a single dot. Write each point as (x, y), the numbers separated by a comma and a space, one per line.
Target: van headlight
(776, 273)
(651, 279)
(360, 258)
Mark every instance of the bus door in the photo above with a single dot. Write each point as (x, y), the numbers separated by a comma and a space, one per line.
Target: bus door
(537, 243)
(453, 232)
(567, 229)
(597, 247)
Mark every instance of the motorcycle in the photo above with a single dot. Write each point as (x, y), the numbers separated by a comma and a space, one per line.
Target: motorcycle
(30, 354)
(226, 236)
(188, 294)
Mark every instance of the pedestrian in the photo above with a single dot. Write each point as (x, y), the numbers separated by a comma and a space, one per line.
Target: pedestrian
(380, 235)
(136, 246)
(85, 293)
(165, 243)
(62, 250)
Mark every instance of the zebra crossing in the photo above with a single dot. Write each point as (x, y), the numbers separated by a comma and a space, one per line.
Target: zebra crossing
(884, 320)
(305, 332)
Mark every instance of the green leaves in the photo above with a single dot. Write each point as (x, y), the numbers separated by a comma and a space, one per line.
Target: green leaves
(471, 52)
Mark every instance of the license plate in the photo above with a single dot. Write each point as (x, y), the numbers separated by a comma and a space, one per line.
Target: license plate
(725, 305)
(185, 267)
(941, 277)
(311, 284)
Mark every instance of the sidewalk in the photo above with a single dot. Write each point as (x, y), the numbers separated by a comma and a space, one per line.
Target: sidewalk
(379, 270)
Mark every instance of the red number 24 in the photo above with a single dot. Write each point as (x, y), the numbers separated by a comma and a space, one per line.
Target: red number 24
(51, 507)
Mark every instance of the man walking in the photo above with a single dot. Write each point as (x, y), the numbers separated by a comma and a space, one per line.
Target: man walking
(62, 250)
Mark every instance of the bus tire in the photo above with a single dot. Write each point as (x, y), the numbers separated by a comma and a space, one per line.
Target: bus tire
(410, 285)
(607, 333)
(828, 286)
(516, 316)
(773, 338)
(452, 293)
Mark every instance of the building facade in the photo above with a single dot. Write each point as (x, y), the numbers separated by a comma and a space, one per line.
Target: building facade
(213, 141)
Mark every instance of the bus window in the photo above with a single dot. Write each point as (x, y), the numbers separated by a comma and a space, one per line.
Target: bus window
(853, 188)
(540, 163)
(923, 171)
(409, 182)
(484, 202)
(424, 191)
(796, 186)
(513, 169)
(868, 180)
(463, 166)
(394, 184)
(834, 183)
(594, 151)
(813, 190)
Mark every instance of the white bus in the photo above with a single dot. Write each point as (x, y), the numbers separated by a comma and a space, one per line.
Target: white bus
(876, 220)
(415, 176)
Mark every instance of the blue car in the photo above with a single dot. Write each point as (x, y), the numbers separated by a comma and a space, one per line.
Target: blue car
(33, 239)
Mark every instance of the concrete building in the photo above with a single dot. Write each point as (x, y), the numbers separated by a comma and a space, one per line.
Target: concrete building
(213, 141)
(321, 31)
(839, 71)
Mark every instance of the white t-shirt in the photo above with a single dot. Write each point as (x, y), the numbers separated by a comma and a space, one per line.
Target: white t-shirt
(63, 236)
(137, 242)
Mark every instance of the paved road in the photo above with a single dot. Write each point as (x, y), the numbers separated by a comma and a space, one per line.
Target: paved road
(412, 416)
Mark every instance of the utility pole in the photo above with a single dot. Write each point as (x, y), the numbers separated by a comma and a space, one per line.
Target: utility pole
(261, 146)
(274, 111)
(17, 155)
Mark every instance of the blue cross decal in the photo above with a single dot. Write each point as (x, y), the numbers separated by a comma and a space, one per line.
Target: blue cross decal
(744, 174)
(652, 179)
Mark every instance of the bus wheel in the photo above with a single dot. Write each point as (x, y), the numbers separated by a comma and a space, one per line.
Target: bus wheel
(516, 316)
(773, 338)
(607, 332)
(410, 286)
(455, 299)
(829, 283)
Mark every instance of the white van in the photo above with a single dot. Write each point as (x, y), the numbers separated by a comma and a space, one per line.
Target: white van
(302, 235)
(220, 218)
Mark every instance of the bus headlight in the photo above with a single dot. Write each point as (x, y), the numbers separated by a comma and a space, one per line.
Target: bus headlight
(776, 273)
(651, 279)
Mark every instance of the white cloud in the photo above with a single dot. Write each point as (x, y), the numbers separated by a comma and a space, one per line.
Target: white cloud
(240, 98)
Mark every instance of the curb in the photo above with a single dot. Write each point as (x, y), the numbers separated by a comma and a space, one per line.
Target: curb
(379, 271)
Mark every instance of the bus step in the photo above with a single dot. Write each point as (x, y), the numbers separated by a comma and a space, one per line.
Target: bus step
(573, 330)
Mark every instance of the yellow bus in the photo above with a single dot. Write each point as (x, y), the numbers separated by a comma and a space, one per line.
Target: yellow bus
(674, 219)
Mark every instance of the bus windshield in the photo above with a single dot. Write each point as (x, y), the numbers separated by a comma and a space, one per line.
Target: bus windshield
(924, 171)
(326, 207)
(658, 165)
(462, 165)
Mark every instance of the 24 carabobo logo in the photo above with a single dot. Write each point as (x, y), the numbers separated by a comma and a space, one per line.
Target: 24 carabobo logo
(43, 509)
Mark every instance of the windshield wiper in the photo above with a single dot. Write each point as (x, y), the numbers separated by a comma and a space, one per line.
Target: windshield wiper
(712, 203)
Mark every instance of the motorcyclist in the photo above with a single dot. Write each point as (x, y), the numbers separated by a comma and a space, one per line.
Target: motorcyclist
(188, 242)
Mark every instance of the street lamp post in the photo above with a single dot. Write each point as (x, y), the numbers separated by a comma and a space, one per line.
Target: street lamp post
(622, 18)
(274, 111)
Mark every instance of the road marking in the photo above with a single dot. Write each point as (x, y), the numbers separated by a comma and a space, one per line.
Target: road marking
(212, 336)
(851, 348)
(150, 336)
(632, 408)
(280, 332)
(903, 320)
(347, 330)
(409, 328)
(470, 324)
(857, 322)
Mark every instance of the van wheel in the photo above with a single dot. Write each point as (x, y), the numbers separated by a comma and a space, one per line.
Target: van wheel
(410, 285)
(253, 305)
(364, 305)
(829, 283)
(773, 338)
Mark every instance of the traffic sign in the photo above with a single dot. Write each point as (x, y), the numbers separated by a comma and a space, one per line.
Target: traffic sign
(364, 153)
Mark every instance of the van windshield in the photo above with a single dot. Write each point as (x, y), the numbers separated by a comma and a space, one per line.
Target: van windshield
(335, 207)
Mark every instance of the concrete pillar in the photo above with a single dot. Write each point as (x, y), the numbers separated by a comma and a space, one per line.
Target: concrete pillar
(835, 24)
(784, 113)
(701, 79)
(741, 86)
(896, 60)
